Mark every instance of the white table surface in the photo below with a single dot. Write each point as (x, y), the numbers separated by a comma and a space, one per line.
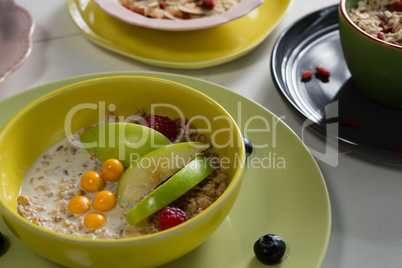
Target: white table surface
(365, 196)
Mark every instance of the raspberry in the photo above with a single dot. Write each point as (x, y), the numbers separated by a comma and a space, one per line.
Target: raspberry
(169, 217)
(396, 6)
(162, 124)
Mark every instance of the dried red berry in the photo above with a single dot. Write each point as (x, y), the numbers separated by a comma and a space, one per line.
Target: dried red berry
(306, 76)
(185, 15)
(396, 6)
(138, 11)
(388, 29)
(163, 124)
(381, 36)
(323, 72)
(208, 4)
(169, 217)
(162, 5)
(349, 122)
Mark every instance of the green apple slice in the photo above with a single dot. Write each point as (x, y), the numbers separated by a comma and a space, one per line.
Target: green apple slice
(173, 188)
(144, 175)
(124, 141)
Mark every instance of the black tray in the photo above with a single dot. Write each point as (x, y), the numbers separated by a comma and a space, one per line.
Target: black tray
(314, 41)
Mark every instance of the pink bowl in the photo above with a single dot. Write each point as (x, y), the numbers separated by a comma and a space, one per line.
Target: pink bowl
(16, 45)
(115, 9)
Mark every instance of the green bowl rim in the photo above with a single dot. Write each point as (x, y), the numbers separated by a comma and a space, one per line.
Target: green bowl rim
(344, 13)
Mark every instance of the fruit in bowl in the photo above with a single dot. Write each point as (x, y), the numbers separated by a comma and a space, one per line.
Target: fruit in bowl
(146, 237)
(371, 48)
(178, 15)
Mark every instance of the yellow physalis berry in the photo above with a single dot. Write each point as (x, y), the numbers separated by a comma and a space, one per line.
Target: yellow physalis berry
(112, 170)
(92, 181)
(104, 201)
(79, 205)
(94, 220)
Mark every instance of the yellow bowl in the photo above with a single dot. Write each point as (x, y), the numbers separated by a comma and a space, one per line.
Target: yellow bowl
(44, 122)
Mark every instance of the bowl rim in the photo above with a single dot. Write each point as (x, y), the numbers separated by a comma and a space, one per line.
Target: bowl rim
(236, 178)
(343, 11)
(115, 9)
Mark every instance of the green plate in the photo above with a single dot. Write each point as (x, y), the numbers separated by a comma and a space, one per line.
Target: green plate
(185, 49)
(283, 190)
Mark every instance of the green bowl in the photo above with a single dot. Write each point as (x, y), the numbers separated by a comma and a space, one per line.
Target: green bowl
(42, 123)
(375, 65)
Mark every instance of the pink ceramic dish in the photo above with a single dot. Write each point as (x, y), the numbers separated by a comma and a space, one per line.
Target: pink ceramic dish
(16, 29)
(115, 9)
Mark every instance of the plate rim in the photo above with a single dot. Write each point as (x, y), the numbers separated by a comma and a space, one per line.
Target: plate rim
(165, 75)
(73, 12)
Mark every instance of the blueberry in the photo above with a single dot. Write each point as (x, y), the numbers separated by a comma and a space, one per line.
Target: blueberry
(248, 145)
(269, 249)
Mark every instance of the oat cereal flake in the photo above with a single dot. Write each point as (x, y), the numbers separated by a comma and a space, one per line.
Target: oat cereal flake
(381, 19)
